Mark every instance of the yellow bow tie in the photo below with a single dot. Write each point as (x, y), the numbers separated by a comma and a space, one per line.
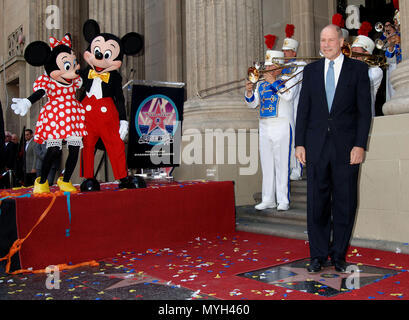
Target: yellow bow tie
(103, 76)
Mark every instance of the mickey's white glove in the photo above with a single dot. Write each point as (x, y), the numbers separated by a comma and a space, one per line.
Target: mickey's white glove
(123, 129)
(21, 106)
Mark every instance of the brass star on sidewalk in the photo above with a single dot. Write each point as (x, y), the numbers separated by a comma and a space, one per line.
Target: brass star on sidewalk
(326, 277)
(130, 279)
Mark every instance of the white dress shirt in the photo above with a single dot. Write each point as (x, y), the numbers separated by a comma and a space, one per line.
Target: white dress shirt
(96, 89)
(337, 68)
(27, 143)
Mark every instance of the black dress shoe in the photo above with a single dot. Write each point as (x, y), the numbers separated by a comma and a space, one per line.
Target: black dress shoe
(126, 183)
(340, 266)
(315, 266)
(90, 185)
(139, 182)
(135, 182)
(327, 263)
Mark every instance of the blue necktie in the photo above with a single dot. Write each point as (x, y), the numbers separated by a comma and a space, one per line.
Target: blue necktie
(330, 85)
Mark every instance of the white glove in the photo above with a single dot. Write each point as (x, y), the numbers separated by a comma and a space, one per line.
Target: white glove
(123, 129)
(21, 106)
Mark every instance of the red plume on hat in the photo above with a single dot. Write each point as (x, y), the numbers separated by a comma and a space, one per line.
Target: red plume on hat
(270, 41)
(396, 4)
(289, 30)
(365, 28)
(338, 20)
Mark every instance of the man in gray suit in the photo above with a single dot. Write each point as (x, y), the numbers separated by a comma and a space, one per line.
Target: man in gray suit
(29, 159)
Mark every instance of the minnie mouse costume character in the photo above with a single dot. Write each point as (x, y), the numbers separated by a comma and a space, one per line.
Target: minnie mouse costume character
(104, 102)
(62, 117)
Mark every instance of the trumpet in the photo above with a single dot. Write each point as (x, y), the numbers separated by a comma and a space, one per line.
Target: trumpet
(379, 27)
(382, 43)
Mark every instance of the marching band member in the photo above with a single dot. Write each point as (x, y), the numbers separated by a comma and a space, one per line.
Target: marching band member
(275, 131)
(290, 47)
(364, 44)
(393, 52)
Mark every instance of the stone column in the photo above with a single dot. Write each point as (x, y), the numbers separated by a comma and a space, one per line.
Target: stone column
(66, 18)
(120, 17)
(302, 16)
(164, 40)
(309, 17)
(400, 76)
(223, 38)
(68, 13)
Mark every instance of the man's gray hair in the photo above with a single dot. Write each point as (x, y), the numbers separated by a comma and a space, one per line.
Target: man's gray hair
(339, 31)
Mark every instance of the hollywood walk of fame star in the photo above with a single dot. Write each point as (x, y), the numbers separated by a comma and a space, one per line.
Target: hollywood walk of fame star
(325, 277)
(130, 279)
(157, 117)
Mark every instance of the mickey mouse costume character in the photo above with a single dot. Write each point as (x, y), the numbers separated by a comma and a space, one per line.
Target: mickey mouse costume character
(104, 101)
(62, 117)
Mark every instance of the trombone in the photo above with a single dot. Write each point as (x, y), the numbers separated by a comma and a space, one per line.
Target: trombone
(371, 60)
(299, 58)
(295, 74)
(255, 73)
(284, 90)
(254, 76)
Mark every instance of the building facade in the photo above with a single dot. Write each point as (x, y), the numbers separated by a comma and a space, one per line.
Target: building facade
(209, 45)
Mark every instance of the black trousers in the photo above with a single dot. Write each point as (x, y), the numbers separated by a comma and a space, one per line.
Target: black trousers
(29, 179)
(332, 188)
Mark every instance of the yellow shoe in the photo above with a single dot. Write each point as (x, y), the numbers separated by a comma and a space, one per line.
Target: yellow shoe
(41, 188)
(66, 186)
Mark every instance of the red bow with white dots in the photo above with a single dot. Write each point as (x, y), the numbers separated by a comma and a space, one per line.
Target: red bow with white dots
(64, 41)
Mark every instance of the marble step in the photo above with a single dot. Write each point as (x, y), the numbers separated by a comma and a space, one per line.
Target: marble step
(249, 215)
(292, 231)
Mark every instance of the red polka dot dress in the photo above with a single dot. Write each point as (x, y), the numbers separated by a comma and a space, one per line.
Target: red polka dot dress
(63, 115)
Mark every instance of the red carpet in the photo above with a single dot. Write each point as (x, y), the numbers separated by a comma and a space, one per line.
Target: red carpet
(211, 265)
(104, 223)
(183, 234)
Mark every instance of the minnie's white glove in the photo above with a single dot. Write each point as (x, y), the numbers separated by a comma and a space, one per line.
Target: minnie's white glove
(123, 129)
(21, 106)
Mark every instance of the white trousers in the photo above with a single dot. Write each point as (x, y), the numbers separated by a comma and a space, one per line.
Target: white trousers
(275, 135)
